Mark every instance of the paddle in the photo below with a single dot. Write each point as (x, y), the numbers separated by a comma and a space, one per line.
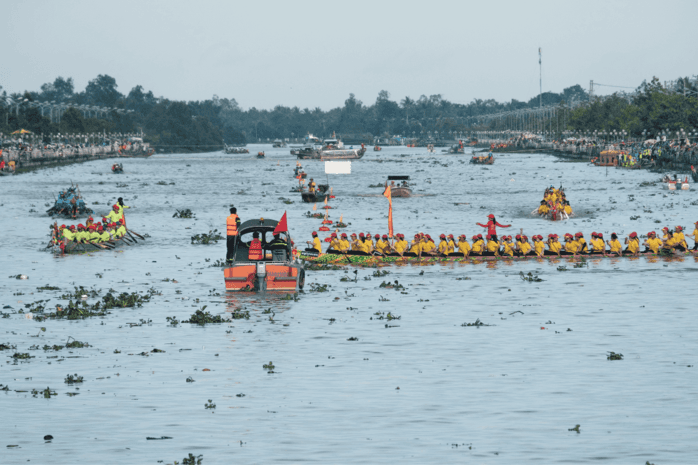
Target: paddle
(134, 232)
(131, 236)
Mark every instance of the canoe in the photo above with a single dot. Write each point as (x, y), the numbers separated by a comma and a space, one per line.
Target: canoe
(482, 161)
(349, 258)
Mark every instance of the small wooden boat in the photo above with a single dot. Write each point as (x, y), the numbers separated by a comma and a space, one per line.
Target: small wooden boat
(321, 193)
(278, 143)
(488, 160)
(275, 272)
(401, 189)
(117, 168)
(260, 154)
(377, 148)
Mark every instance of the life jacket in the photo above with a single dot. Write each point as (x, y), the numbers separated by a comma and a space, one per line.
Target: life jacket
(255, 250)
(232, 226)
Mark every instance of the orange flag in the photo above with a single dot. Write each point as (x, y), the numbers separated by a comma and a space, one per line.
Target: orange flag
(389, 196)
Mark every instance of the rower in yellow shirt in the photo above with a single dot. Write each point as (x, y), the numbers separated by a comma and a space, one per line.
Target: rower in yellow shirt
(416, 245)
(543, 209)
(443, 245)
(615, 245)
(554, 245)
(316, 245)
(478, 245)
(539, 245)
(680, 239)
(334, 243)
(428, 245)
(463, 246)
(508, 245)
(653, 243)
(570, 245)
(633, 244)
(493, 244)
(451, 244)
(524, 247)
(382, 245)
(401, 245)
(579, 239)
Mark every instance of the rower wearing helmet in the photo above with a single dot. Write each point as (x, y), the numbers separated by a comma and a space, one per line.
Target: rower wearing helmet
(428, 245)
(653, 243)
(539, 245)
(579, 239)
(554, 244)
(114, 215)
(570, 245)
(680, 239)
(478, 245)
(451, 244)
(508, 246)
(401, 246)
(334, 243)
(356, 243)
(463, 246)
(316, 244)
(344, 244)
(493, 244)
(443, 245)
(633, 244)
(695, 236)
(416, 245)
(382, 244)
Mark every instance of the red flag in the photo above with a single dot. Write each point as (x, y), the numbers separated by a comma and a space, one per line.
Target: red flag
(282, 226)
(389, 196)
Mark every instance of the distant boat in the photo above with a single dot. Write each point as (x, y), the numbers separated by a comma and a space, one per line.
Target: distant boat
(278, 143)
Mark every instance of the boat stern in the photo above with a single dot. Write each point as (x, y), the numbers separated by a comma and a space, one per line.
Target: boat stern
(263, 276)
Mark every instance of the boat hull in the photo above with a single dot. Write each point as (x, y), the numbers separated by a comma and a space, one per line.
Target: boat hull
(249, 276)
(400, 192)
(314, 197)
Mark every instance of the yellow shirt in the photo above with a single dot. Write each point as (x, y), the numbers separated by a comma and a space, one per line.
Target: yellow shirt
(443, 247)
(451, 246)
(581, 242)
(121, 230)
(415, 247)
(633, 245)
(540, 248)
(616, 247)
(428, 246)
(335, 245)
(344, 244)
(599, 245)
(555, 246)
(543, 209)
(113, 216)
(571, 246)
(382, 246)
(654, 244)
(478, 247)
(492, 246)
(104, 236)
(68, 235)
(524, 247)
(463, 247)
(401, 246)
(366, 246)
(568, 209)
(509, 249)
(356, 246)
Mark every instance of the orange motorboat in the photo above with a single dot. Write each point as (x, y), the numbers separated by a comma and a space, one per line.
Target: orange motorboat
(276, 270)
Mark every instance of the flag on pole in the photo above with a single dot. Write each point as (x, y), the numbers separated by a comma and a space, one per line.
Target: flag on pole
(282, 226)
(388, 195)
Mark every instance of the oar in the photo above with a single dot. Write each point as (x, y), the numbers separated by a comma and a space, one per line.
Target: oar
(134, 232)
(131, 236)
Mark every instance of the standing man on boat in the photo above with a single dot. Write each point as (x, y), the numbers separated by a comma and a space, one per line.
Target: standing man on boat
(232, 225)
(492, 225)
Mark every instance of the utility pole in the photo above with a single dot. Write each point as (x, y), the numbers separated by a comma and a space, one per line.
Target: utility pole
(540, 65)
(591, 89)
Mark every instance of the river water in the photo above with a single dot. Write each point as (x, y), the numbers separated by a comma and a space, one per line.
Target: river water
(419, 389)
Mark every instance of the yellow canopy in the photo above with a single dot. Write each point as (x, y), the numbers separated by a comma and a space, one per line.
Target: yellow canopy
(22, 131)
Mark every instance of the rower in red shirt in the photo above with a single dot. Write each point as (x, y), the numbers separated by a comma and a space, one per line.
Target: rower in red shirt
(492, 225)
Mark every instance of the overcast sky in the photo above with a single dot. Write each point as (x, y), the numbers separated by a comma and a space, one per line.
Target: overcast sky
(313, 54)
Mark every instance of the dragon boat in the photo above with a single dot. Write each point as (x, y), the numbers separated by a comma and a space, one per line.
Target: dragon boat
(74, 247)
(276, 271)
(69, 204)
(362, 258)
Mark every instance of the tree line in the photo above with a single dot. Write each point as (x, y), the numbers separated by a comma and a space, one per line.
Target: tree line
(205, 125)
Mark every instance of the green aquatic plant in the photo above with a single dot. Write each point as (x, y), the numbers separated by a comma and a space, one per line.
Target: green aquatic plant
(201, 317)
(529, 277)
(191, 460)
(183, 214)
(212, 237)
(576, 429)
(73, 379)
(614, 356)
(477, 324)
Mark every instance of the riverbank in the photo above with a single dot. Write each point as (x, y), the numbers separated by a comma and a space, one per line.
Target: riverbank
(661, 155)
(29, 158)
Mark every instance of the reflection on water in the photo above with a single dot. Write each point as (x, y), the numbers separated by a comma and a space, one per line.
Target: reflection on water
(505, 393)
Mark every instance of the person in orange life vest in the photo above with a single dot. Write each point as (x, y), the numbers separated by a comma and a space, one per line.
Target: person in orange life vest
(492, 225)
(232, 225)
(255, 252)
